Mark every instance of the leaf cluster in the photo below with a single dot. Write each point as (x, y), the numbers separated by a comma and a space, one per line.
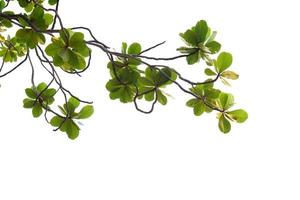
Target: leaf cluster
(131, 80)
(200, 42)
(67, 122)
(69, 50)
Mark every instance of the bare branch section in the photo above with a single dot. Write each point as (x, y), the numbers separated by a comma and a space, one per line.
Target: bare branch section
(134, 76)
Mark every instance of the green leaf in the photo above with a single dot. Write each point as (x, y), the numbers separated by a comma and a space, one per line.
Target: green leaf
(160, 77)
(239, 116)
(201, 30)
(162, 99)
(52, 2)
(124, 47)
(42, 86)
(77, 40)
(224, 61)
(73, 60)
(126, 94)
(113, 85)
(193, 58)
(28, 103)
(199, 108)
(81, 63)
(146, 82)
(65, 54)
(49, 93)
(83, 50)
(192, 102)
(29, 7)
(57, 60)
(134, 61)
(66, 125)
(40, 38)
(38, 18)
(65, 35)
(74, 102)
(198, 90)
(6, 23)
(53, 49)
(23, 21)
(72, 129)
(56, 121)
(150, 73)
(212, 93)
(30, 37)
(37, 110)
(128, 75)
(62, 110)
(149, 96)
(2, 4)
(48, 19)
(37, 13)
(214, 47)
(30, 93)
(134, 49)
(86, 112)
(224, 124)
(226, 100)
(190, 37)
(163, 77)
(209, 72)
(23, 3)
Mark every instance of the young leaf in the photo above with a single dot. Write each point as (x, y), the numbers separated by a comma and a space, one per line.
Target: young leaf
(211, 37)
(239, 116)
(224, 61)
(224, 124)
(230, 75)
(226, 100)
(225, 82)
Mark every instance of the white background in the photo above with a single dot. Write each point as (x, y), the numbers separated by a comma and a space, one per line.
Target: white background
(171, 154)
